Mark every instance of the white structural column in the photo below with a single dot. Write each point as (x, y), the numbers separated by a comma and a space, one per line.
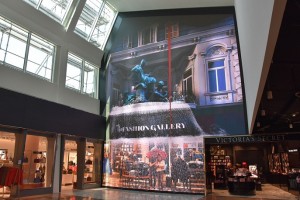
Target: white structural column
(258, 26)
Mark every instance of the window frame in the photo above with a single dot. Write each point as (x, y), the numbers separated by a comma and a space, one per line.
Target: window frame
(174, 31)
(27, 41)
(95, 23)
(38, 5)
(216, 69)
(147, 35)
(82, 67)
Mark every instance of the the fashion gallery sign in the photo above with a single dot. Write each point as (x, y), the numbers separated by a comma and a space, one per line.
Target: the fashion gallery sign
(153, 120)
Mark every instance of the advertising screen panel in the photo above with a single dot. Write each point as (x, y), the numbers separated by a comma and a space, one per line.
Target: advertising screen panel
(172, 77)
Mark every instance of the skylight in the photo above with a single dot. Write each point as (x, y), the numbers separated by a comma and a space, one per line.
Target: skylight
(95, 22)
(56, 9)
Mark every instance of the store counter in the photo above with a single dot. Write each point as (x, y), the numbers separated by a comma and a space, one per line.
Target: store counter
(241, 185)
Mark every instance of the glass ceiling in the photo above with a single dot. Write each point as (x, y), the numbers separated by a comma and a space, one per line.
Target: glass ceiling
(94, 23)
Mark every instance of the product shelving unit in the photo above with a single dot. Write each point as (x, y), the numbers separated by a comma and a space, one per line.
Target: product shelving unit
(89, 171)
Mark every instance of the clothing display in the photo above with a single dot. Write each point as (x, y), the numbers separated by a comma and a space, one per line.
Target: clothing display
(10, 176)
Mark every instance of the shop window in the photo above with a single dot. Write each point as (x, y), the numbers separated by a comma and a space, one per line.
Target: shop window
(7, 148)
(38, 161)
(69, 171)
(216, 75)
(89, 171)
(150, 163)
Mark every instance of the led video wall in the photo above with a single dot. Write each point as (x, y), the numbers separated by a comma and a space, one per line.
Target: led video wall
(172, 77)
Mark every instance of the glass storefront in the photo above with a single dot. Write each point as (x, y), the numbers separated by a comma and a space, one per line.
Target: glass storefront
(166, 164)
(89, 171)
(245, 164)
(7, 151)
(69, 171)
(38, 161)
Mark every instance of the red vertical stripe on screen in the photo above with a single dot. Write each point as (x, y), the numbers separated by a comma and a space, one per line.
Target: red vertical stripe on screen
(170, 75)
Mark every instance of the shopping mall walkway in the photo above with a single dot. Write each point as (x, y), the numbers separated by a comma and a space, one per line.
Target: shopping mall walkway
(269, 192)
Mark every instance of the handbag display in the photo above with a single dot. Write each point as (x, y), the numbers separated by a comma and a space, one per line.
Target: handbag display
(89, 178)
(88, 162)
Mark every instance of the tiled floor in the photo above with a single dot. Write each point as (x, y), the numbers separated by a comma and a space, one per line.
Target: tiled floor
(269, 192)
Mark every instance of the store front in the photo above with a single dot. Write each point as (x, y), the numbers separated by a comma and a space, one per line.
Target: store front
(27, 162)
(81, 163)
(243, 164)
(7, 154)
(32, 136)
(165, 164)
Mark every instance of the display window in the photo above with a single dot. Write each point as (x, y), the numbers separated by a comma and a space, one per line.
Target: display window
(89, 171)
(69, 170)
(7, 150)
(155, 164)
(38, 161)
(7, 147)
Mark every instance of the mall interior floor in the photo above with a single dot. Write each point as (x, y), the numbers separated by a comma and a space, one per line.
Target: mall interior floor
(270, 192)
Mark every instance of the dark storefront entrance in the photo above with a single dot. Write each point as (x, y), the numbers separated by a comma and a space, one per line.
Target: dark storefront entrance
(242, 164)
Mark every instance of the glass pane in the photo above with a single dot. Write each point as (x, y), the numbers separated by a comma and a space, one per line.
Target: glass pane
(217, 63)
(32, 2)
(87, 17)
(221, 79)
(7, 148)
(103, 25)
(90, 79)
(38, 161)
(74, 66)
(89, 172)
(73, 77)
(17, 44)
(40, 57)
(93, 25)
(14, 60)
(69, 172)
(56, 9)
(212, 81)
(12, 43)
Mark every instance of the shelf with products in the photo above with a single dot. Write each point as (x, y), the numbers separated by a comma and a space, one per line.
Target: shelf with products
(89, 170)
(39, 162)
(220, 178)
(130, 150)
(285, 162)
(217, 160)
(34, 166)
(279, 163)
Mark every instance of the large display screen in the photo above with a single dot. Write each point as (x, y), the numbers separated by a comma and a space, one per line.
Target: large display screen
(172, 77)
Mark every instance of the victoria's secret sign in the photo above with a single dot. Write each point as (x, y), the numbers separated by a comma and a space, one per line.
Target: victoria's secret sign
(245, 139)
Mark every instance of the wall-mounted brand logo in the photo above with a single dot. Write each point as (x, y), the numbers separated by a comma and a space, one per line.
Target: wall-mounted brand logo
(156, 127)
(246, 139)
